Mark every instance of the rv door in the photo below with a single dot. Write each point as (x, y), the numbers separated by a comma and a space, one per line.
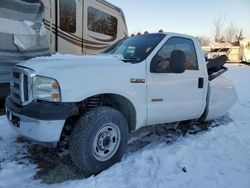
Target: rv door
(69, 20)
(65, 19)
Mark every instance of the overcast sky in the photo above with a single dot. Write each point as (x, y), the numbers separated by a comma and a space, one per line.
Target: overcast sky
(194, 17)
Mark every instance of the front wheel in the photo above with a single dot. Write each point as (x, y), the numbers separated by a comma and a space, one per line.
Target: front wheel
(99, 140)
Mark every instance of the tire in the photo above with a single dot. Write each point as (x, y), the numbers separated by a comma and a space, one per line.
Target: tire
(97, 130)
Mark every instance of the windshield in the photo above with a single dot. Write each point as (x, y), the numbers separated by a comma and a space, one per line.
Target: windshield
(135, 49)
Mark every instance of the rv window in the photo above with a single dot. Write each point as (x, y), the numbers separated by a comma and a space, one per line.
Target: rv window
(102, 22)
(67, 14)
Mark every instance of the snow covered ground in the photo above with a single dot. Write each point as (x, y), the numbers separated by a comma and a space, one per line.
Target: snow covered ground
(219, 157)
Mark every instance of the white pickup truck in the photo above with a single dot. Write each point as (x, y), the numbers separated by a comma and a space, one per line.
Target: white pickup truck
(97, 100)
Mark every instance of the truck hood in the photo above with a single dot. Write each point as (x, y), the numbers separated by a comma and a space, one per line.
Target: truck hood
(55, 64)
(80, 77)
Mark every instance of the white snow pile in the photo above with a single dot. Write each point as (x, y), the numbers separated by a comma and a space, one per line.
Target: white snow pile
(216, 158)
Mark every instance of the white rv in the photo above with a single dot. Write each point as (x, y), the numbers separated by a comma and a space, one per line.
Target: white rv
(245, 51)
(83, 26)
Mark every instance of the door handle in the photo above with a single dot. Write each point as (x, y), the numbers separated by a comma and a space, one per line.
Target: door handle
(201, 83)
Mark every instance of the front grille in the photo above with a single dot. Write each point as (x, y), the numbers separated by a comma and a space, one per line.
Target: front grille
(21, 79)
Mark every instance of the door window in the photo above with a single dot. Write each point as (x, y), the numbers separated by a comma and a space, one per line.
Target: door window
(175, 46)
(67, 12)
(101, 22)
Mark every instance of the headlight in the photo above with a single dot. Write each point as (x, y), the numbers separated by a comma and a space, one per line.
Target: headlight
(46, 89)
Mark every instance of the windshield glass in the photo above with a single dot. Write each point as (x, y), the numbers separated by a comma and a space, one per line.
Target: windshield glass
(135, 49)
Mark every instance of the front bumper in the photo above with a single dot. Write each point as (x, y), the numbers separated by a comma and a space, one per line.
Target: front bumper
(30, 121)
(43, 132)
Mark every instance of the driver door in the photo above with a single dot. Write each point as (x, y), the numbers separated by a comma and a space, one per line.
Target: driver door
(172, 96)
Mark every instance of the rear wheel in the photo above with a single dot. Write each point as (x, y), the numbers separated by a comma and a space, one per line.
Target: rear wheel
(98, 140)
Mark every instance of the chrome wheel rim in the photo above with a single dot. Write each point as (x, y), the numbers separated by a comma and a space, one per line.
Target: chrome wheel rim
(106, 142)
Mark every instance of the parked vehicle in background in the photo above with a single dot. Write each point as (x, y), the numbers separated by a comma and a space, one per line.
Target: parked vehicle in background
(245, 51)
(235, 53)
(83, 26)
(93, 102)
(217, 50)
(72, 27)
(215, 53)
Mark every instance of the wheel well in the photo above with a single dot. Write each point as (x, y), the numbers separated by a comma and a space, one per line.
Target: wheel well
(123, 105)
(118, 102)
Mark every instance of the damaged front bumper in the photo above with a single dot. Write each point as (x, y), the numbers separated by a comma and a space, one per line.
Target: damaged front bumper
(43, 132)
(39, 122)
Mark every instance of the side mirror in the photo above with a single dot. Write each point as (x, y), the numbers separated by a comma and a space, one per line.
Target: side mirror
(177, 62)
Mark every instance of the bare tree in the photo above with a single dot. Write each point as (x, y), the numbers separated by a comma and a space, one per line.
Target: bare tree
(230, 33)
(204, 41)
(239, 37)
(218, 29)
